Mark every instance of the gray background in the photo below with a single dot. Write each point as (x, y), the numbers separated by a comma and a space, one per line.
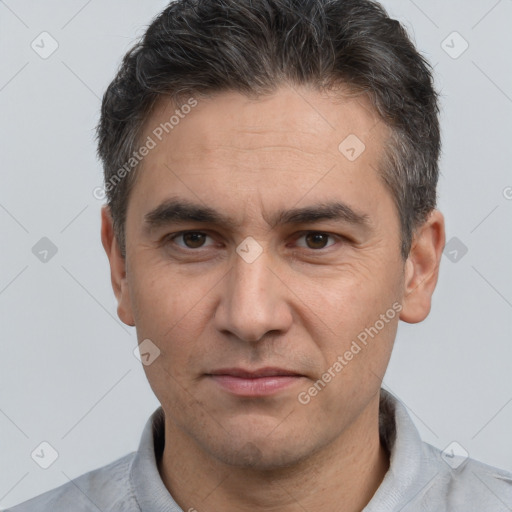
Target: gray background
(68, 375)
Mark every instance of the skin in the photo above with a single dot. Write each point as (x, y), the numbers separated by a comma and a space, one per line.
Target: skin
(298, 306)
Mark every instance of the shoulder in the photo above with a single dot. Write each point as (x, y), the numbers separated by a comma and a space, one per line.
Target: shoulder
(106, 488)
(465, 484)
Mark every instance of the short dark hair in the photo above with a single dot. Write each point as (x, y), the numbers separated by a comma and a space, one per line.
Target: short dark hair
(197, 47)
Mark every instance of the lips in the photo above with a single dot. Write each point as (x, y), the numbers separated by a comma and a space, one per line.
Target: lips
(255, 374)
(254, 383)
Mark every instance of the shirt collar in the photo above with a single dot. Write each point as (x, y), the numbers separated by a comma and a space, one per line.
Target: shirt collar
(410, 470)
(149, 489)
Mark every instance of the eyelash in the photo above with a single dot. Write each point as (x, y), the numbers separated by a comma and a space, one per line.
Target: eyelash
(170, 239)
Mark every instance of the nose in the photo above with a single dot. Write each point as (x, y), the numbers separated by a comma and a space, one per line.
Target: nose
(253, 301)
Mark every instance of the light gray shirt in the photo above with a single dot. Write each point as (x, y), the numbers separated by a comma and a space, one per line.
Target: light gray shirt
(420, 478)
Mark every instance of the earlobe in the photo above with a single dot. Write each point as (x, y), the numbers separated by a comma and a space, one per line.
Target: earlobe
(117, 267)
(422, 268)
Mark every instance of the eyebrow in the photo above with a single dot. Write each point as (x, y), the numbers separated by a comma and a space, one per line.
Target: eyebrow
(181, 211)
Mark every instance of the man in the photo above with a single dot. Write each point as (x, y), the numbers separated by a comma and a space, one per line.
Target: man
(271, 171)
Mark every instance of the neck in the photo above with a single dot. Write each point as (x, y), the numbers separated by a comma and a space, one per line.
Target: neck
(349, 470)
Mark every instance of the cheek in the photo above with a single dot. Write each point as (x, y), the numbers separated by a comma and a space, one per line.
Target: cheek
(355, 351)
(171, 320)
(162, 296)
(164, 313)
(358, 318)
(352, 298)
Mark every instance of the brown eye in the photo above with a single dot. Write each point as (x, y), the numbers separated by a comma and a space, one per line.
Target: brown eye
(189, 239)
(193, 240)
(317, 240)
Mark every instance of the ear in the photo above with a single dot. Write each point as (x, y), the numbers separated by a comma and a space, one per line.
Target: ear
(422, 268)
(117, 267)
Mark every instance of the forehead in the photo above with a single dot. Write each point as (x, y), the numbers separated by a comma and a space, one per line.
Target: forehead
(301, 117)
(235, 152)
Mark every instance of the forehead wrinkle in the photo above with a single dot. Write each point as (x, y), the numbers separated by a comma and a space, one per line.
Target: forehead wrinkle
(267, 147)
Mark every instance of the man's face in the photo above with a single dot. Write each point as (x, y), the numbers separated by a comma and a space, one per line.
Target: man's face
(216, 307)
